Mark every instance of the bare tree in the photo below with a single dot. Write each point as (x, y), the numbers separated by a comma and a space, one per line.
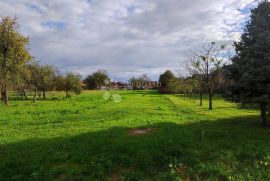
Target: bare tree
(204, 63)
(195, 72)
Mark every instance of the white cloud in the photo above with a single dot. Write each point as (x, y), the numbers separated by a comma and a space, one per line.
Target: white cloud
(125, 37)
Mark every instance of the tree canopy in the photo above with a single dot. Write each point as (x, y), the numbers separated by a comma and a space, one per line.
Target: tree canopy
(97, 79)
(166, 79)
(14, 54)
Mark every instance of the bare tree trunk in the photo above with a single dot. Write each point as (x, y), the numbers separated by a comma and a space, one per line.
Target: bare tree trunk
(201, 97)
(4, 94)
(35, 95)
(24, 94)
(210, 99)
(44, 94)
(201, 92)
(67, 94)
(263, 114)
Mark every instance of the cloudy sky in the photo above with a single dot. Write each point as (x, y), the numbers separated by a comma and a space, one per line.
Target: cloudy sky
(125, 37)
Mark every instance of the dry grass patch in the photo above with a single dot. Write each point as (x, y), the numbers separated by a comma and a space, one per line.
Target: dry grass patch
(141, 131)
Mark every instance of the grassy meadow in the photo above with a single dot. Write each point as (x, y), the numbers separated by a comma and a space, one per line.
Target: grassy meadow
(90, 137)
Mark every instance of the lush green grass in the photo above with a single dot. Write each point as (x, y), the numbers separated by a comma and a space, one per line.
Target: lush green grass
(87, 138)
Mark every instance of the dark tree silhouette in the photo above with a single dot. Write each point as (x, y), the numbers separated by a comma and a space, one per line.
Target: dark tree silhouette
(250, 68)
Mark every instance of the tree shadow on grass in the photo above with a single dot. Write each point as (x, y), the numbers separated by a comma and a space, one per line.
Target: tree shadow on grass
(207, 150)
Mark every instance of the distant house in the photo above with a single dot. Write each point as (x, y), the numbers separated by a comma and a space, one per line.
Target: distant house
(104, 87)
(118, 86)
(83, 85)
(148, 85)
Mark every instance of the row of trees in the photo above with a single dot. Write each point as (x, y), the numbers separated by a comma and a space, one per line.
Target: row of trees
(204, 66)
(19, 71)
(47, 78)
(100, 79)
(139, 82)
(244, 77)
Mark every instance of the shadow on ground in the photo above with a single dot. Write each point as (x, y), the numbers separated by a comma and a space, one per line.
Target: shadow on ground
(205, 150)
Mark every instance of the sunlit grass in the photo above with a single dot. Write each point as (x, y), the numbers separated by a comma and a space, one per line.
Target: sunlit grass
(86, 137)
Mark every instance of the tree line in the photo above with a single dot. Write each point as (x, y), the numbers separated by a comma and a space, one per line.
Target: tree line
(243, 77)
(20, 72)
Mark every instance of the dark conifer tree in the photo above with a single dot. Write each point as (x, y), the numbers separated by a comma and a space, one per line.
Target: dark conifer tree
(250, 69)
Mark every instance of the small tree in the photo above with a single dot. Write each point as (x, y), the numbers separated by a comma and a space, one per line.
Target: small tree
(14, 54)
(205, 64)
(46, 77)
(249, 72)
(196, 72)
(23, 82)
(97, 79)
(72, 82)
(35, 78)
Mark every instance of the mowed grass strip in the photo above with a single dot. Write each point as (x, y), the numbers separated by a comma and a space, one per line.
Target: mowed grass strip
(87, 137)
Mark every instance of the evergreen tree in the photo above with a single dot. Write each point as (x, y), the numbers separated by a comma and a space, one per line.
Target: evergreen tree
(249, 72)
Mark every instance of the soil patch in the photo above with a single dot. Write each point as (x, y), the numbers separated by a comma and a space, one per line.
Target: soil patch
(141, 131)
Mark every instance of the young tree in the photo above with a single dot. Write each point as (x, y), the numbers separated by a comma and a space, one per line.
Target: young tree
(72, 82)
(23, 83)
(249, 72)
(196, 72)
(14, 54)
(205, 63)
(97, 79)
(35, 78)
(46, 77)
(59, 82)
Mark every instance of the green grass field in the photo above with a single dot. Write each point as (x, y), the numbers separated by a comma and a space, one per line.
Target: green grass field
(88, 137)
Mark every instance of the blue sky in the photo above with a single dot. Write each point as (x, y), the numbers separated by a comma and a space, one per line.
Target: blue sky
(124, 37)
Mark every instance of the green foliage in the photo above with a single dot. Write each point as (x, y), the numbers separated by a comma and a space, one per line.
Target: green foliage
(248, 71)
(72, 82)
(168, 81)
(250, 80)
(97, 79)
(14, 55)
(18, 72)
(46, 77)
(87, 138)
